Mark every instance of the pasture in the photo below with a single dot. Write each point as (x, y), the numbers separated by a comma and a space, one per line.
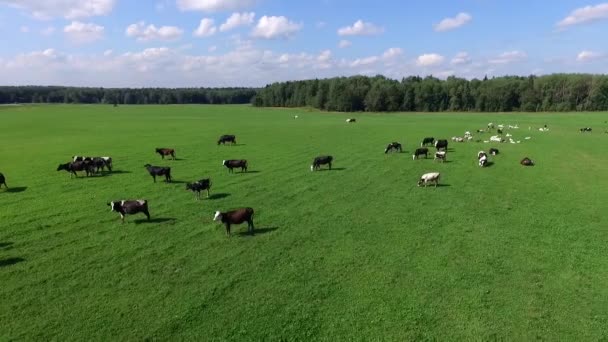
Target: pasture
(504, 252)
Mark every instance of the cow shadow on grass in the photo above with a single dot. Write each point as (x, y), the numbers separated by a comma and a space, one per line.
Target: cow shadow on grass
(177, 182)
(15, 190)
(258, 231)
(254, 172)
(333, 169)
(10, 261)
(119, 172)
(218, 196)
(489, 164)
(154, 220)
(5, 244)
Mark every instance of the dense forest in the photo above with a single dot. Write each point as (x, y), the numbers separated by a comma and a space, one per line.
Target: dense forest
(558, 92)
(36, 94)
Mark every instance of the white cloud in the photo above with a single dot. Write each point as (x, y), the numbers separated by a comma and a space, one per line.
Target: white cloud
(461, 58)
(69, 9)
(392, 53)
(206, 28)
(108, 53)
(344, 44)
(213, 5)
(48, 31)
(80, 32)
(151, 32)
(588, 56)
(509, 57)
(24, 29)
(585, 15)
(320, 24)
(212, 48)
(449, 24)
(429, 59)
(275, 27)
(236, 20)
(360, 28)
(388, 57)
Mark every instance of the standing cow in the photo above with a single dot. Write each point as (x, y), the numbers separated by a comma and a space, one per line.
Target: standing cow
(427, 140)
(197, 187)
(321, 160)
(227, 138)
(237, 216)
(441, 144)
(155, 171)
(394, 146)
(129, 207)
(420, 151)
(166, 152)
(235, 164)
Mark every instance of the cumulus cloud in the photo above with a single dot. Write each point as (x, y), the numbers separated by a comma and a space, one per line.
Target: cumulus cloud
(275, 27)
(144, 33)
(213, 5)
(509, 57)
(24, 29)
(205, 28)
(80, 32)
(461, 58)
(430, 59)
(588, 56)
(449, 24)
(388, 57)
(69, 9)
(360, 28)
(236, 20)
(344, 44)
(585, 15)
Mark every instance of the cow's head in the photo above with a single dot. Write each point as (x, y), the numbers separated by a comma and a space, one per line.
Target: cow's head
(111, 205)
(147, 165)
(217, 216)
(224, 162)
(189, 186)
(63, 167)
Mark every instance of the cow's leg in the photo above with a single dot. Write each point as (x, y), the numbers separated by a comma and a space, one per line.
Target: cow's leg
(207, 192)
(147, 213)
(228, 229)
(122, 218)
(250, 227)
(330, 165)
(154, 177)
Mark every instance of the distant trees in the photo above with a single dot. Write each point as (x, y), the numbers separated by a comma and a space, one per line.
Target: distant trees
(37, 94)
(558, 92)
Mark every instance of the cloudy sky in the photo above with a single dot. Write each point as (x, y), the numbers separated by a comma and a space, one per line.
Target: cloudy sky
(175, 43)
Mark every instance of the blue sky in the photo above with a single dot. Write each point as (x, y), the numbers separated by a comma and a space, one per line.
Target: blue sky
(175, 43)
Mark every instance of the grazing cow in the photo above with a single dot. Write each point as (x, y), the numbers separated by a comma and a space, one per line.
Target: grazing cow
(3, 181)
(441, 156)
(493, 151)
(499, 131)
(429, 177)
(420, 151)
(227, 138)
(586, 129)
(166, 152)
(428, 140)
(458, 139)
(393, 146)
(480, 131)
(159, 171)
(237, 216)
(73, 167)
(232, 164)
(527, 162)
(197, 187)
(441, 144)
(490, 126)
(351, 120)
(129, 207)
(321, 160)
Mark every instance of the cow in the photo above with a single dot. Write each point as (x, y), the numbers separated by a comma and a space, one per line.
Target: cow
(237, 216)
(227, 138)
(429, 177)
(420, 151)
(586, 129)
(321, 160)
(490, 126)
(198, 186)
(428, 140)
(73, 167)
(129, 207)
(527, 162)
(499, 131)
(393, 146)
(3, 181)
(351, 120)
(493, 151)
(441, 144)
(100, 163)
(232, 164)
(482, 158)
(166, 152)
(159, 171)
(441, 156)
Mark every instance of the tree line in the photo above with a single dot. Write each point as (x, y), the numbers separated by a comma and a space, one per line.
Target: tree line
(557, 92)
(52, 94)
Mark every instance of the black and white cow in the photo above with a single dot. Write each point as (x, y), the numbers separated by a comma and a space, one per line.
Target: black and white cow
(351, 120)
(155, 171)
(235, 164)
(100, 163)
(198, 186)
(237, 216)
(441, 144)
(394, 146)
(227, 138)
(129, 207)
(441, 156)
(420, 151)
(482, 158)
(586, 129)
(493, 151)
(73, 167)
(428, 140)
(321, 160)
(3, 181)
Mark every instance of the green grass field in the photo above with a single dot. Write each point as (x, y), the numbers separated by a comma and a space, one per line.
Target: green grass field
(358, 253)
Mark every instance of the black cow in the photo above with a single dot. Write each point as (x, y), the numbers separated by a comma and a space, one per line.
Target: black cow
(73, 167)
(3, 180)
(586, 129)
(428, 140)
(166, 152)
(232, 164)
(237, 216)
(499, 131)
(129, 207)
(351, 120)
(227, 138)
(420, 151)
(100, 163)
(197, 187)
(321, 160)
(159, 171)
(493, 151)
(393, 146)
(527, 162)
(441, 144)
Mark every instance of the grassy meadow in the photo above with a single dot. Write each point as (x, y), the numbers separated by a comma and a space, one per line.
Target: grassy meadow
(357, 253)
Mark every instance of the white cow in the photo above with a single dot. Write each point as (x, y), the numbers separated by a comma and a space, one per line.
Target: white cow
(429, 177)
